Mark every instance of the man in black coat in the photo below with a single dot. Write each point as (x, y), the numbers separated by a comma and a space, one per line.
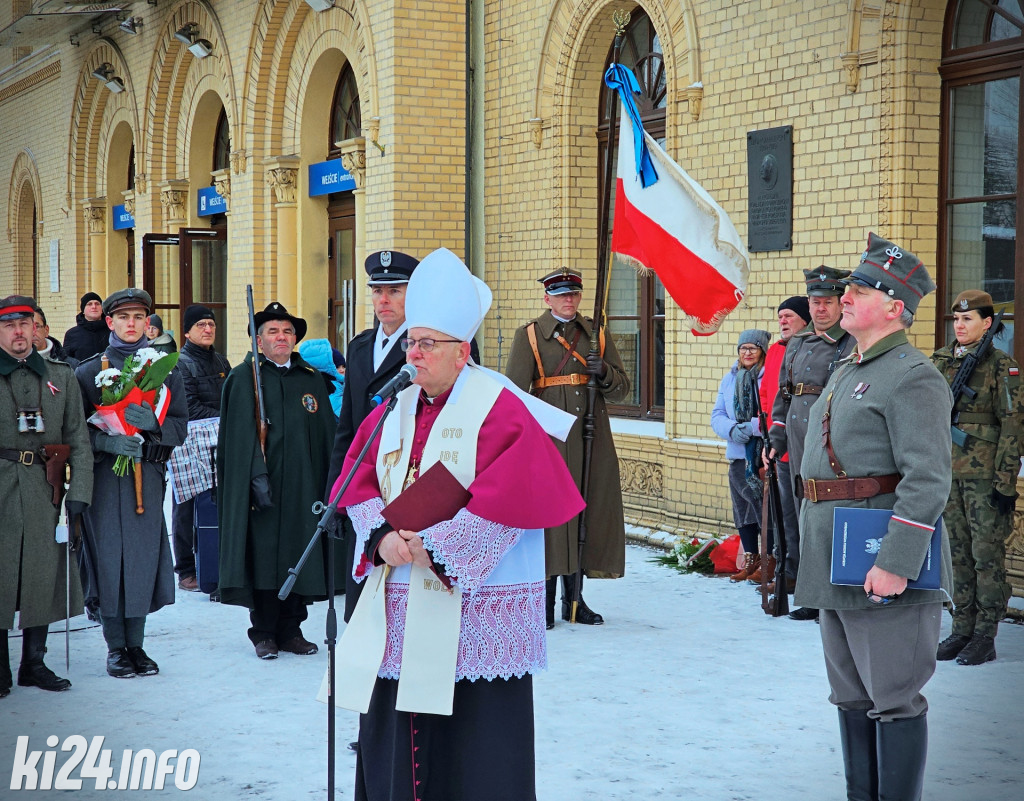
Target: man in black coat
(374, 357)
(203, 371)
(90, 334)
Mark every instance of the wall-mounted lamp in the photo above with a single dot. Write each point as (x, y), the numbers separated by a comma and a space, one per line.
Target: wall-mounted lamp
(320, 5)
(189, 35)
(131, 25)
(105, 73)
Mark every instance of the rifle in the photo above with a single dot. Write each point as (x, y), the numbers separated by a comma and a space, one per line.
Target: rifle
(771, 507)
(963, 375)
(262, 423)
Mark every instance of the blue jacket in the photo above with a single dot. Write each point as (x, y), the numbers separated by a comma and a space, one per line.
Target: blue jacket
(723, 417)
(318, 353)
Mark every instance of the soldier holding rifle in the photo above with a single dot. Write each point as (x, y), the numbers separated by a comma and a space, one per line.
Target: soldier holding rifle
(987, 431)
(266, 487)
(41, 426)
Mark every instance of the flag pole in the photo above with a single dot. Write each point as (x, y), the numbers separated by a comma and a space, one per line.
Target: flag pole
(621, 20)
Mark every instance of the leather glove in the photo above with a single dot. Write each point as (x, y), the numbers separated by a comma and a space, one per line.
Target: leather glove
(141, 416)
(259, 493)
(1004, 503)
(119, 445)
(75, 508)
(596, 365)
(741, 433)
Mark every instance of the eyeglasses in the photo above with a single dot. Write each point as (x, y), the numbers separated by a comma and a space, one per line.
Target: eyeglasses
(205, 324)
(881, 600)
(749, 349)
(426, 344)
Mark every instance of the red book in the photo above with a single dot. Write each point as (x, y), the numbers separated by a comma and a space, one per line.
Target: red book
(435, 496)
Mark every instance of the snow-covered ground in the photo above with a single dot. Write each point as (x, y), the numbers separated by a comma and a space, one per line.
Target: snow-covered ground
(687, 692)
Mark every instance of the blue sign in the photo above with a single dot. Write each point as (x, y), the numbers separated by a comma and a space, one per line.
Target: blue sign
(122, 219)
(329, 176)
(210, 202)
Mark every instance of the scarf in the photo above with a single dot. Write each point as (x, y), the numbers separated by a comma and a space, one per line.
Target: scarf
(745, 407)
(127, 348)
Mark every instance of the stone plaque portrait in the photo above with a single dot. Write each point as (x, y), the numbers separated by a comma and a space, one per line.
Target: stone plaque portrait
(770, 195)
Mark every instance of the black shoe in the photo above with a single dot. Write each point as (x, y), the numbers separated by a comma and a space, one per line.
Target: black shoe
(4, 692)
(804, 613)
(119, 665)
(353, 746)
(951, 646)
(978, 651)
(298, 645)
(584, 614)
(144, 666)
(36, 674)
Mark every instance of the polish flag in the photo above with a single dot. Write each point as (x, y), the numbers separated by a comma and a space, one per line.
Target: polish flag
(666, 222)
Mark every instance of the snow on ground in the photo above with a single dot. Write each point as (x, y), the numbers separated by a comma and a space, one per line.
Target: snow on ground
(688, 692)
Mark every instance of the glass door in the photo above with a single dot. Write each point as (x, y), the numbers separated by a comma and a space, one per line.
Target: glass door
(203, 255)
(341, 258)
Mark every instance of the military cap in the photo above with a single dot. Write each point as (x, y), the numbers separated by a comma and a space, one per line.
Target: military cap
(15, 307)
(754, 336)
(387, 267)
(123, 298)
(562, 281)
(896, 272)
(275, 311)
(825, 281)
(972, 299)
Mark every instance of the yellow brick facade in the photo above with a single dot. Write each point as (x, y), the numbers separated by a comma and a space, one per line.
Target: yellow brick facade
(858, 82)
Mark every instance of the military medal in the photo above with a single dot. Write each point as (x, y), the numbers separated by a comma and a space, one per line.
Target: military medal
(859, 390)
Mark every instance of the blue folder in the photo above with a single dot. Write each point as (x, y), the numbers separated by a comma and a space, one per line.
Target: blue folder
(856, 539)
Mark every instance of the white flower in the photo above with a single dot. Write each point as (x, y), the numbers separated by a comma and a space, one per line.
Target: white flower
(148, 356)
(108, 377)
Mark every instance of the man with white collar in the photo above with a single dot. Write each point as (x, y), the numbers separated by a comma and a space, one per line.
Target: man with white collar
(471, 737)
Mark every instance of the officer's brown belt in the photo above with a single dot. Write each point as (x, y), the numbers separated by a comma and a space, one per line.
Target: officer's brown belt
(849, 489)
(21, 457)
(804, 389)
(560, 381)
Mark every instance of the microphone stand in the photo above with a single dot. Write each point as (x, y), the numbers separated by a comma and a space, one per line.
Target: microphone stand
(326, 526)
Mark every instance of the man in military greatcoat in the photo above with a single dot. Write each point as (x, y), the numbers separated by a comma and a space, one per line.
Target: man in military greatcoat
(374, 357)
(134, 573)
(550, 358)
(811, 356)
(40, 406)
(265, 495)
(879, 440)
(986, 461)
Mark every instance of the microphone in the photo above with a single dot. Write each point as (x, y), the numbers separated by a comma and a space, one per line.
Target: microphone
(395, 385)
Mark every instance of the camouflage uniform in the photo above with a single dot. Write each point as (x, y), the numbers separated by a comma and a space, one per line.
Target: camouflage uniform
(989, 461)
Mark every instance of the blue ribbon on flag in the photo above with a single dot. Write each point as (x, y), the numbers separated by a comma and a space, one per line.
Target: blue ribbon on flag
(623, 81)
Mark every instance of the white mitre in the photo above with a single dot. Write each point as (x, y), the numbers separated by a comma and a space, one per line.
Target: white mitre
(444, 296)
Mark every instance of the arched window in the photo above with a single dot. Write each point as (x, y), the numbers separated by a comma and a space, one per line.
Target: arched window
(636, 304)
(222, 143)
(982, 67)
(346, 118)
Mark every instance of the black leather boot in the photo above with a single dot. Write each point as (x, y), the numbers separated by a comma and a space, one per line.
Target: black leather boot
(902, 751)
(978, 651)
(549, 603)
(33, 673)
(951, 646)
(6, 679)
(119, 664)
(584, 614)
(858, 737)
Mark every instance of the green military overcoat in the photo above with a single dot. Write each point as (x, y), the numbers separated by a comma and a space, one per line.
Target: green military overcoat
(889, 414)
(28, 551)
(258, 548)
(605, 551)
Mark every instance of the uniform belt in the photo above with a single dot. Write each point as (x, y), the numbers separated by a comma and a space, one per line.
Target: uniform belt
(805, 389)
(560, 381)
(979, 418)
(849, 489)
(22, 457)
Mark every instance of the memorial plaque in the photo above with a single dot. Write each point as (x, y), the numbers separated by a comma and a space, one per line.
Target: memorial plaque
(770, 183)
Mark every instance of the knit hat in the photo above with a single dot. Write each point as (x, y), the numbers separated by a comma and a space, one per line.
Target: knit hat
(195, 313)
(799, 305)
(754, 336)
(156, 322)
(88, 296)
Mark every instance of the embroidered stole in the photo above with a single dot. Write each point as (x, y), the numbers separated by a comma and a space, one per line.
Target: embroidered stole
(433, 615)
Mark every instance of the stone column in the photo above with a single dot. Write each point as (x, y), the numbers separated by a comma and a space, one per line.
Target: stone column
(96, 217)
(174, 199)
(353, 159)
(282, 175)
